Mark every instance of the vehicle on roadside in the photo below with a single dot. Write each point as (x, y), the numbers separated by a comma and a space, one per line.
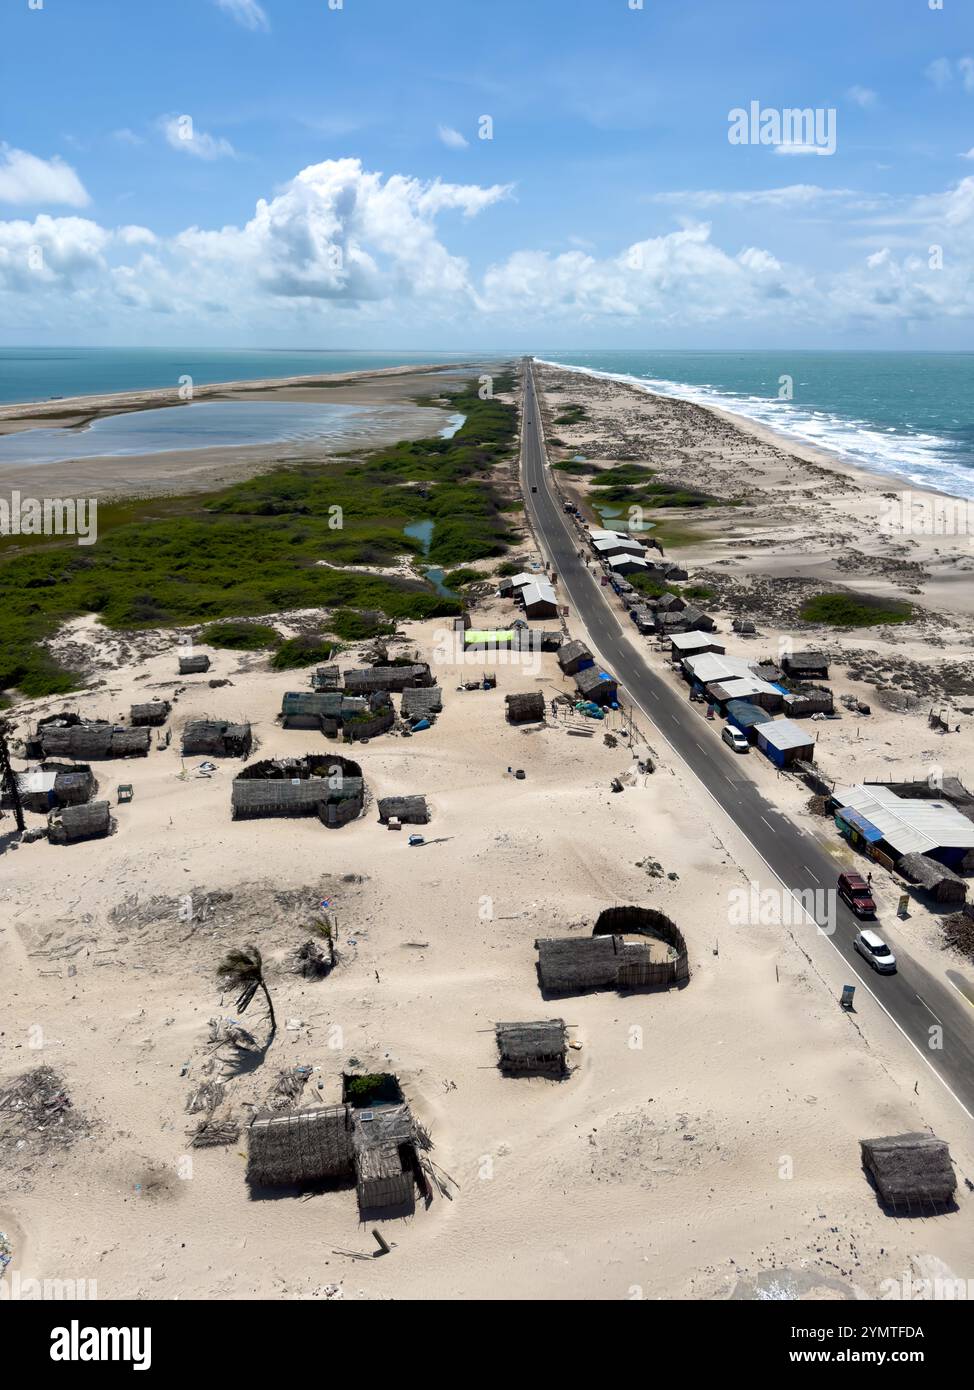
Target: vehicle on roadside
(734, 739)
(874, 949)
(534, 489)
(854, 890)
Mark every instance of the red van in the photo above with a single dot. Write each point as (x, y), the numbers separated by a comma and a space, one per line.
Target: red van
(854, 890)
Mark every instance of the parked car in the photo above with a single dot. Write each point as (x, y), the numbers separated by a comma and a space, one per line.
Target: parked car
(854, 890)
(734, 739)
(874, 949)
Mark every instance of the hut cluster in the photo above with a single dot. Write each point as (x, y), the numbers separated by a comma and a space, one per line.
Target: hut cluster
(70, 736)
(924, 834)
(359, 705)
(377, 1147)
(323, 785)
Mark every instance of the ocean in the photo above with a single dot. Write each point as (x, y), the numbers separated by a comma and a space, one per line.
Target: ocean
(906, 413)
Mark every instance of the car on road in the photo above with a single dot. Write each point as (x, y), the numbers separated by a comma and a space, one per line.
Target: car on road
(734, 739)
(874, 949)
(854, 890)
(534, 489)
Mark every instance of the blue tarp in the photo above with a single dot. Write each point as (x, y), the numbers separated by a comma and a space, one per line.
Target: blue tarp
(858, 822)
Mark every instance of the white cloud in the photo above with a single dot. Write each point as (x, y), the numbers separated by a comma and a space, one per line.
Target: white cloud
(24, 178)
(181, 133)
(127, 137)
(136, 236)
(941, 72)
(246, 12)
(796, 147)
(965, 67)
(452, 138)
(862, 96)
(793, 195)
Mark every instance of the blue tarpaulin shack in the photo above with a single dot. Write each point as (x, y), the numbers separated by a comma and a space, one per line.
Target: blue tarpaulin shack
(849, 820)
(745, 716)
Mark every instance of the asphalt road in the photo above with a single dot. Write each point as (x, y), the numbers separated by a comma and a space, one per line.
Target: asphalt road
(913, 999)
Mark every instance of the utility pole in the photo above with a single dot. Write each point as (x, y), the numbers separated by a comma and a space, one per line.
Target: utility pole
(8, 778)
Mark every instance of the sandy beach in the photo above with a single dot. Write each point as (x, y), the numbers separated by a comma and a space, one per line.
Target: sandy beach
(706, 1142)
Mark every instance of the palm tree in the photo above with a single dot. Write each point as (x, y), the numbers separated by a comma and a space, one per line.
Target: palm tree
(243, 969)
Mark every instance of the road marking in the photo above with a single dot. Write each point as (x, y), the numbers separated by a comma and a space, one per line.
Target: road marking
(928, 1009)
(812, 872)
(768, 824)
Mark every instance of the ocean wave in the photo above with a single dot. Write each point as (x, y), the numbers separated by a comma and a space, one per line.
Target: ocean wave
(924, 459)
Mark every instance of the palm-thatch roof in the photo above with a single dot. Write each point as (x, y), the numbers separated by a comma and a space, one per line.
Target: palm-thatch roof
(71, 823)
(411, 810)
(418, 703)
(154, 713)
(190, 665)
(595, 684)
(63, 736)
(910, 1168)
(53, 784)
(533, 1047)
(327, 677)
(366, 679)
(940, 882)
(217, 738)
(526, 707)
(298, 787)
(571, 963)
(301, 1148)
(572, 656)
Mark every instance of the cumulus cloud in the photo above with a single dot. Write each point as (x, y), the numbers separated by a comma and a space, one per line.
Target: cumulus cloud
(246, 12)
(25, 178)
(181, 133)
(452, 138)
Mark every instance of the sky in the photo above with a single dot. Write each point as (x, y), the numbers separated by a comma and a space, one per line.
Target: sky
(453, 174)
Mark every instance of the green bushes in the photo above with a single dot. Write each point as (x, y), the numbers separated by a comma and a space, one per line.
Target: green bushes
(240, 637)
(856, 610)
(302, 651)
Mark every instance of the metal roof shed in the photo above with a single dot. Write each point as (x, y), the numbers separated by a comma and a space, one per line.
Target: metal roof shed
(783, 741)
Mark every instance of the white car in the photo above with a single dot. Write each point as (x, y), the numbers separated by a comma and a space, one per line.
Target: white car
(734, 738)
(874, 949)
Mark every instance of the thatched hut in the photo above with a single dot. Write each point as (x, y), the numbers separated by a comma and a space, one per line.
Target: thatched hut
(809, 666)
(326, 710)
(943, 885)
(71, 823)
(649, 922)
(410, 810)
(54, 784)
(301, 1148)
(540, 1047)
(396, 678)
(574, 656)
(596, 685)
(910, 1168)
(216, 738)
(419, 703)
(194, 664)
(526, 707)
(69, 736)
(571, 964)
(323, 785)
(156, 712)
(327, 677)
(386, 1164)
(131, 743)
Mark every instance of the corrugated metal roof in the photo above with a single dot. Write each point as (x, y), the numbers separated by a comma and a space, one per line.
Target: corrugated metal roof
(618, 561)
(542, 592)
(713, 666)
(783, 733)
(742, 687)
(866, 829)
(910, 827)
(690, 641)
(609, 544)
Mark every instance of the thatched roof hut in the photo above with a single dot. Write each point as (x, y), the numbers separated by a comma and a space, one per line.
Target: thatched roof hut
(216, 738)
(526, 707)
(410, 810)
(366, 679)
(420, 703)
(301, 1148)
(67, 736)
(533, 1047)
(384, 1139)
(568, 965)
(573, 656)
(806, 665)
(595, 684)
(71, 823)
(323, 785)
(910, 1168)
(54, 784)
(192, 665)
(322, 709)
(327, 677)
(941, 883)
(154, 713)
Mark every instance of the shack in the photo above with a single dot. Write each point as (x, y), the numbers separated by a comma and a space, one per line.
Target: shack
(327, 677)
(898, 826)
(539, 600)
(69, 736)
(572, 964)
(684, 644)
(150, 715)
(422, 703)
(804, 700)
(68, 824)
(193, 665)
(806, 666)
(942, 884)
(608, 546)
(327, 786)
(746, 717)
(366, 680)
(749, 688)
(573, 657)
(525, 708)
(300, 1148)
(410, 810)
(533, 1048)
(216, 738)
(910, 1169)
(784, 742)
(627, 564)
(596, 685)
(54, 784)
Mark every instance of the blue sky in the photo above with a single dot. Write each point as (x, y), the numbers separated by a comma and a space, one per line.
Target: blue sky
(151, 184)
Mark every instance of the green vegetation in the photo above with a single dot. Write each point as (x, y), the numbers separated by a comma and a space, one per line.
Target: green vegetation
(240, 637)
(652, 588)
(623, 473)
(457, 578)
(375, 1088)
(279, 541)
(302, 651)
(571, 415)
(508, 568)
(355, 626)
(856, 610)
(577, 467)
(699, 592)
